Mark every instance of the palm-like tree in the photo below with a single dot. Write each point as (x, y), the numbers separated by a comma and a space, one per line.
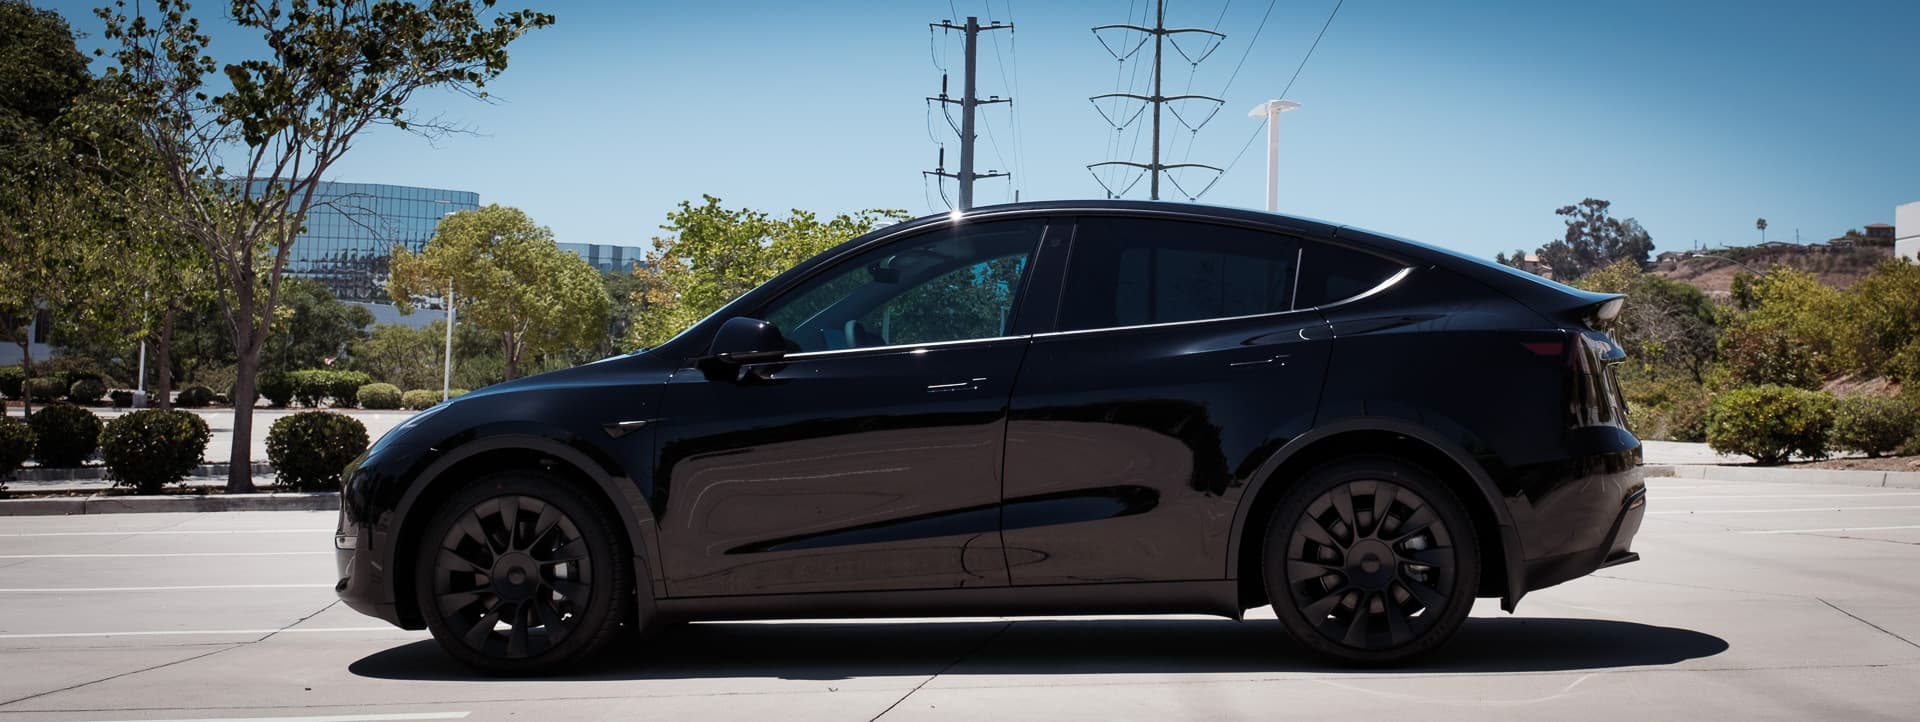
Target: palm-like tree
(1762, 225)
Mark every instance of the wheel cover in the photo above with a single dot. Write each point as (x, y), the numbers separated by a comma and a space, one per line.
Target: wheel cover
(1370, 565)
(512, 577)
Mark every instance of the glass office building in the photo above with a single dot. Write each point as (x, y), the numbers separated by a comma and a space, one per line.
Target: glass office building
(353, 227)
(606, 257)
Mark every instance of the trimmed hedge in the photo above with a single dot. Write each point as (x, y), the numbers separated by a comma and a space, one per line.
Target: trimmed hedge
(1873, 425)
(151, 448)
(276, 387)
(194, 397)
(419, 399)
(16, 445)
(64, 435)
(12, 379)
(312, 386)
(378, 396)
(1771, 423)
(86, 391)
(46, 388)
(310, 449)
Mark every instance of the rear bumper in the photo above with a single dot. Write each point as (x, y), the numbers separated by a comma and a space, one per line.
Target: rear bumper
(1615, 550)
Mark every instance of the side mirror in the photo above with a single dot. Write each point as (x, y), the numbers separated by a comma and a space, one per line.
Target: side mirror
(743, 340)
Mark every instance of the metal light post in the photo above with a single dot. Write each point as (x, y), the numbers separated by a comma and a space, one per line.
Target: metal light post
(446, 369)
(1271, 110)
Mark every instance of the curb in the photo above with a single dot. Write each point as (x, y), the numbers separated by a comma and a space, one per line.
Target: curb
(1839, 477)
(292, 501)
(214, 470)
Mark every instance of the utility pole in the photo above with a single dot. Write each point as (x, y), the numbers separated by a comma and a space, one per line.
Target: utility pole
(1160, 34)
(967, 102)
(1271, 110)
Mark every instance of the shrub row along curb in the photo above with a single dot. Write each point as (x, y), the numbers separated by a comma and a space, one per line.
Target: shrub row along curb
(294, 501)
(1840, 477)
(216, 470)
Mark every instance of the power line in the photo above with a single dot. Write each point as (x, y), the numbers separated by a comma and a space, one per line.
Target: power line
(1249, 51)
(1157, 100)
(1283, 92)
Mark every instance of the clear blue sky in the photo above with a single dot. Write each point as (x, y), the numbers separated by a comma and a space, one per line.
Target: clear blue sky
(1463, 124)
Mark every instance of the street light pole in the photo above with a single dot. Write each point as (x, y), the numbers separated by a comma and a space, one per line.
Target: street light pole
(446, 368)
(1271, 110)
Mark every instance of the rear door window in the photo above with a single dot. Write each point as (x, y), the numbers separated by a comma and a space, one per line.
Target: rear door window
(1133, 271)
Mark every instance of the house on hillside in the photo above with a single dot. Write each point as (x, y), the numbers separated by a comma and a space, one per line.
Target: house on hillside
(1531, 263)
(1880, 234)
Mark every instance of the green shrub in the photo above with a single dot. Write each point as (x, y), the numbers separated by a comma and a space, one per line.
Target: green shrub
(1873, 425)
(12, 380)
(309, 449)
(151, 448)
(378, 396)
(86, 391)
(276, 387)
(64, 435)
(309, 386)
(344, 387)
(419, 399)
(312, 386)
(122, 398)
(194, 397)
(46, 388)
(1669, 410)
(456, 393)
(1770, 423)
(1761, 354)
(16, 445)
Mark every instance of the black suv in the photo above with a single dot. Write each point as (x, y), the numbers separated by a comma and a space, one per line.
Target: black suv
(1046, 408)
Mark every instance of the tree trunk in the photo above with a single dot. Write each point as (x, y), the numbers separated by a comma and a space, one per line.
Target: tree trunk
(511, 353)
(163, 360)
(26, 369)
(240, 462)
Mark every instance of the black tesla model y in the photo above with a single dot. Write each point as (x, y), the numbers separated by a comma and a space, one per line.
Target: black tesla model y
(1096, 407)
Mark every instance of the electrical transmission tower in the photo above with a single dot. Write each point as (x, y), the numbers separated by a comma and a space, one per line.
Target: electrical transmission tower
(1162, 36)
(967, 102)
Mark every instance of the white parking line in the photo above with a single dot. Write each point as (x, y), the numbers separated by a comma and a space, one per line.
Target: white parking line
(210, 587)
(1833, 529)
(1784, 511)
(153, 556)
(397, 717)
(1734, 497)
(170, 531)
(206, 632)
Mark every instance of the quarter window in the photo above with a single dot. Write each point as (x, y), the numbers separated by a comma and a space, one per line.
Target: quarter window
(1330, 274)
(1129, 272)
(952, 284)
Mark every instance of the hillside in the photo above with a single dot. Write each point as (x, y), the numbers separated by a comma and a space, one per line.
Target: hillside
(1712, 271)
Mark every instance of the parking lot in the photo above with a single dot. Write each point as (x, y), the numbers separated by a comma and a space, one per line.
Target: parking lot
(1754, 601)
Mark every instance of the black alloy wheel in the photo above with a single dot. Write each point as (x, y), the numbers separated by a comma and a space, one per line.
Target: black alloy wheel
(519, 573)
(1370, 560)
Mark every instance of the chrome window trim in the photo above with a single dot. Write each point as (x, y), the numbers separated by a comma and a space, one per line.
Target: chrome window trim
(829, 353)
(1376, 290)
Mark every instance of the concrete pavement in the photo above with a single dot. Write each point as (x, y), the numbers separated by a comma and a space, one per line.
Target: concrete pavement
(1755, 601)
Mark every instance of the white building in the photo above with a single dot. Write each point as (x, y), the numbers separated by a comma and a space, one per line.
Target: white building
(1906, 231)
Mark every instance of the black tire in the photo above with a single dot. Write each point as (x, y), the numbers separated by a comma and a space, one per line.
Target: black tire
(562, 581)
(1370, 560)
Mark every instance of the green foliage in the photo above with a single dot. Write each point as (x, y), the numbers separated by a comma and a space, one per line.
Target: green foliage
(714, 254)
(194, 397)
(419, 399)
(150, 448)
(1593, 240)
(312, 328)
(16, 445)
(1771, 423)
(312, 386)
(64, 435)
(414, 357)
(1873, 425)
(456, 392)
(122, 398)
(508, 278)
(1669, 409)
(86, 391)
(46, 388)
(378, 396)
(1879, 322)
(310, 449)
(1763, 354)
(12, 379)
(277, 387)
(1667, 327)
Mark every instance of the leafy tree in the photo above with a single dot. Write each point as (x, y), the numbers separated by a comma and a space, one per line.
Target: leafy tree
(1879, 322)
(315, 329)
(413, 358)
(713, 254)
(1594, 238)
(42, 219)
(1665, 324)
(509, 278)
(330, 69)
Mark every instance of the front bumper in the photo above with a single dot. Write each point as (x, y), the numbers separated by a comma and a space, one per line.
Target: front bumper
(362, 582)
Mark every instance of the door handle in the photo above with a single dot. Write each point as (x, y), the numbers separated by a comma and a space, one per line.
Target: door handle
(1281, 359)
(968, 385)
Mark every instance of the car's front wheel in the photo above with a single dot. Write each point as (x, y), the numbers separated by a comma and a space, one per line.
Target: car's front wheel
(1371, 560)
(519, 573)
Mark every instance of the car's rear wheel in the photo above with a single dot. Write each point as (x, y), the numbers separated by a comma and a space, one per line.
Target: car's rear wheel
(520, 573)
(1371, 560)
